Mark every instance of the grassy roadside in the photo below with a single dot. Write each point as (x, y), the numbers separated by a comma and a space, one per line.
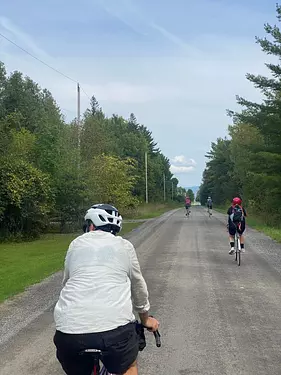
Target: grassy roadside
(27, 263)
(151, 210)
(256, 223)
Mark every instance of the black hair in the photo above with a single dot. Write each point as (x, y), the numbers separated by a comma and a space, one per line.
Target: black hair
(86, 225)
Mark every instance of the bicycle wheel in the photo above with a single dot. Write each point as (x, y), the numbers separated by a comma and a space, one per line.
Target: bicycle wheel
(239, 251)
(236, 247)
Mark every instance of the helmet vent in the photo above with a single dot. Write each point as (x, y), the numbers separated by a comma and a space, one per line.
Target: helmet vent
(102, 218)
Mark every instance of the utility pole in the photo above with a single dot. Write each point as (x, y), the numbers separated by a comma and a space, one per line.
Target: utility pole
(146, 184)
(172, 191)
(164, 180)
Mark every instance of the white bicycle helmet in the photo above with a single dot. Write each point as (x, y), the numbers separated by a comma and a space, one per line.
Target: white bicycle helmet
(104, 217)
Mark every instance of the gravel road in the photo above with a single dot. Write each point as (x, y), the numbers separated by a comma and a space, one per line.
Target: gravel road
(216, 318)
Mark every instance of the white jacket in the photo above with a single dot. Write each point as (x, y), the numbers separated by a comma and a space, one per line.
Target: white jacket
(102, 284)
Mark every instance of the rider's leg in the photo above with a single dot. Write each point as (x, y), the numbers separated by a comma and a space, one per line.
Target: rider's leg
(121, 350)
(231, 241)
(242, 238)
(133, 370)
(231, 231)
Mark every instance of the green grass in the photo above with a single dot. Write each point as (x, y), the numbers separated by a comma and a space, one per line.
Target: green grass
(257, 223)
(152, 210)
(274, 233)
(26, 263)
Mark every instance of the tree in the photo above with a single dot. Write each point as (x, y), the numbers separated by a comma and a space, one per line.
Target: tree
(111, 180)
(265, 118)
(218, 179)
(190, 194)
(249, 163)
(45, 176)
(25, 199)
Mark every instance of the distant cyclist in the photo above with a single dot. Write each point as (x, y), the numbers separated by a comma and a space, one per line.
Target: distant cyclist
(210, 205)
(187, 204)
(236, 219)
(103, 284)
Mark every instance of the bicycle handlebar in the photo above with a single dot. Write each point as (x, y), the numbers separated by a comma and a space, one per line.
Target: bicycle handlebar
(157, 337)
(142, 342)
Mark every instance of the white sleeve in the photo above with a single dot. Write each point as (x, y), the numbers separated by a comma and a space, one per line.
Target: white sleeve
(138, 285)
(66, 266)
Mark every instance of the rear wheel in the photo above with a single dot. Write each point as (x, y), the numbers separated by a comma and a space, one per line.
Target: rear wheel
(239, 258)
(238, 250)
(236, 247)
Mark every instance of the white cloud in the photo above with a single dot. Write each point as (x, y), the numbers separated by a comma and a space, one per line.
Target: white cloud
(181, 169)
(181, 159)
(181, 165)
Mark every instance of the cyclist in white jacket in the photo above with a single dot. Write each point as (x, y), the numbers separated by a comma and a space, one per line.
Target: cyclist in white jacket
(102, 286)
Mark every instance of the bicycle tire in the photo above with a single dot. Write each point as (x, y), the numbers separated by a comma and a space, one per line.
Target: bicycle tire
(239, 251)
(239, 258)
(236, 247)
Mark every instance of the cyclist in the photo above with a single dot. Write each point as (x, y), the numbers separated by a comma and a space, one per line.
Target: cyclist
(236, 219)
(187, 204)
(210, 205)
(102, 285)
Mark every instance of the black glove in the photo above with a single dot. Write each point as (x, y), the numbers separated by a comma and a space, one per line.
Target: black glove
(141, 335)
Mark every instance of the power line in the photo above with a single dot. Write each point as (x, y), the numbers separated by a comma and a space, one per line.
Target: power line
(49, 66)
(36, 58)
(85, 93)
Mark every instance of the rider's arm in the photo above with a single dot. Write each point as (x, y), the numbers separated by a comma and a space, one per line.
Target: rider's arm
(66, 266)
(66, 271)
(138, 285)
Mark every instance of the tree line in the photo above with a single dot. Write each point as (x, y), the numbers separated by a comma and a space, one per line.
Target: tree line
(248, 162)
(51, 170)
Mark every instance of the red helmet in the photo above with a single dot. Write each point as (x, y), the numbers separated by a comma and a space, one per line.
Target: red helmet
(237, 200)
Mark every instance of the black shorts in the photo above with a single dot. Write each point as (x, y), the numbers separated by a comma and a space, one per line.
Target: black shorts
(232, 227)
(210, 207)
(187, 206)
(119, 350)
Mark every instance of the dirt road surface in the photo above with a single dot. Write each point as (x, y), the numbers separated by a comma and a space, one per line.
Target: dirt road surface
(216, 318)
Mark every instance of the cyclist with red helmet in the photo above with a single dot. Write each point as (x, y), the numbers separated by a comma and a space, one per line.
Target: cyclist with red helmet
(187, 204)
(236, 219)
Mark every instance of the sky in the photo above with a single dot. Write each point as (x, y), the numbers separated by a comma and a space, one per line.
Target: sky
(177, 65)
